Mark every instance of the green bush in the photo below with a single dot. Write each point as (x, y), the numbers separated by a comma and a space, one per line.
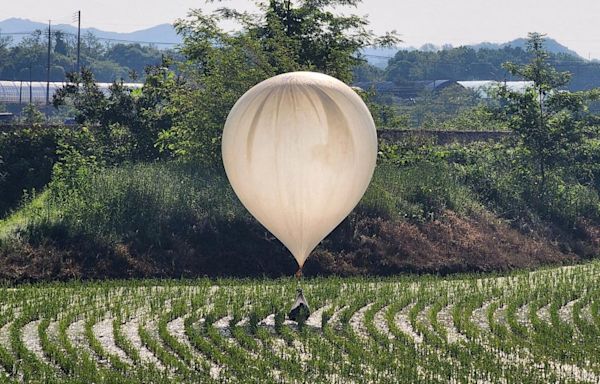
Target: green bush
(145, 203)
(417, 192)
(153, 205)
(503, 179)
(26, 160)
(150, 205)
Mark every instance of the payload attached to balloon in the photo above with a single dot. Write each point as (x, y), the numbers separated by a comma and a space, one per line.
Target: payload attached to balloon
(299, 150)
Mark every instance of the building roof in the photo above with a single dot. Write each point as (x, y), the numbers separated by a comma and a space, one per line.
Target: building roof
(482, 87)
(21, 92)
(406, 90)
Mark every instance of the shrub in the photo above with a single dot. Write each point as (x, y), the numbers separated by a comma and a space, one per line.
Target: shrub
(27, 157)
(417, 192)
(502, 179)
(146, 203)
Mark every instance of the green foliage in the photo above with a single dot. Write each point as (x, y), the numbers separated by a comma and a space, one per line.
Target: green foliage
(303, 315)
(86, 97)
(279, 319)
(385, 115)
(418, 192)
(452, 108)
(79, 156)
(26, 60)
(478, 118)
(544, 76)
(144, 204)
(551, 125)
(366, 72)
(466, 63)
(284, 36)
(27, 156)
(127, 122)
(153, 204)
(134, 57)
(502, 179)
(496, 175)
(435, 108)
(32, 116)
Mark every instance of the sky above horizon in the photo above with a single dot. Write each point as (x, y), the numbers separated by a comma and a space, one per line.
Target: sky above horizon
(417, 21)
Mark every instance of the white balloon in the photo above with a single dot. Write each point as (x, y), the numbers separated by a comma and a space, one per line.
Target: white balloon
(299, 150)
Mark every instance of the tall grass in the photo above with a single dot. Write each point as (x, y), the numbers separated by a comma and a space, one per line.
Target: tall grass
(149, 204)
(416, 192)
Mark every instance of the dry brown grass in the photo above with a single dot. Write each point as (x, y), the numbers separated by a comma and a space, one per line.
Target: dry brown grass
(360, 245)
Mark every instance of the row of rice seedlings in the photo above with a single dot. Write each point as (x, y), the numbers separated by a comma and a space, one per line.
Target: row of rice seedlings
(483, 353)
(116, 362)
(29, 366)
(516, 342)
(7, 360)
(338, 355)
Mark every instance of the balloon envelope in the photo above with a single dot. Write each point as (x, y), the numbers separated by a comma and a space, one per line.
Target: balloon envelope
(299, 150)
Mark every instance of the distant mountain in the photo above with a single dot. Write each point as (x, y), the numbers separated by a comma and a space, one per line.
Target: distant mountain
(550, 44)
(380, 56)
(163, 33)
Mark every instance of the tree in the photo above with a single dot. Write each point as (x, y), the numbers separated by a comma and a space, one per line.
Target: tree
(82, 91)
(60, 45)
(137, 115)
(134, 56)
(31, 115)
(284, 36)
(91, 46)
(550, 123)
(434, 108)
(4, 49)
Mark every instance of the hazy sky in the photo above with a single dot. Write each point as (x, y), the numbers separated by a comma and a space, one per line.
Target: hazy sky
(573, 23)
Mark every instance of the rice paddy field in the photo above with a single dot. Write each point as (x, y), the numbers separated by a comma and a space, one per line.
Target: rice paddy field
(527, 327)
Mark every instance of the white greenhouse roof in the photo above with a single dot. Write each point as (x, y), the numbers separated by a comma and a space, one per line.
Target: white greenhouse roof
(482, 87)
(18, 92)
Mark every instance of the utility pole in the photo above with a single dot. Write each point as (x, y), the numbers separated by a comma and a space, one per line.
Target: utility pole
(48, 67)
(78, 41)
(30, 86)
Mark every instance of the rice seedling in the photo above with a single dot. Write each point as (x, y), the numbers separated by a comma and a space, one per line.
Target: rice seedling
(532, 327)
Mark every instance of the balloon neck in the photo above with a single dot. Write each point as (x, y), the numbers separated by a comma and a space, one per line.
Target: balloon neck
(299, 274)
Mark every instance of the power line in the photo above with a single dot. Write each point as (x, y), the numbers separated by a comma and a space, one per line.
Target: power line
(78, 41)
(97, 37)
(136, 41)
(19, 33)
(574, 61)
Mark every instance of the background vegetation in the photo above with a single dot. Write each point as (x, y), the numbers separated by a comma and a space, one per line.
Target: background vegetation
(467, 63)
(137, 187)
(27, 60)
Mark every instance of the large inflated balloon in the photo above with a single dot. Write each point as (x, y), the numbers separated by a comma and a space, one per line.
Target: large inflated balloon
(299, 150)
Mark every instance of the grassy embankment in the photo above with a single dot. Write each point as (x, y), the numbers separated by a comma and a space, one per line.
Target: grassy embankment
(454, 209)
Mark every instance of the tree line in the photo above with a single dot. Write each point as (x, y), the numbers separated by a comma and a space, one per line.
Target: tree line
(466, 63)
(27, 60)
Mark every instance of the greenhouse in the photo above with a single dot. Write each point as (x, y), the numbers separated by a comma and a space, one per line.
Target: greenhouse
(483, 87)
(39, 92)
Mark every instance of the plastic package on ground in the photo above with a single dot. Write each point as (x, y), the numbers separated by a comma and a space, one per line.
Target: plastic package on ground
(300, 310)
